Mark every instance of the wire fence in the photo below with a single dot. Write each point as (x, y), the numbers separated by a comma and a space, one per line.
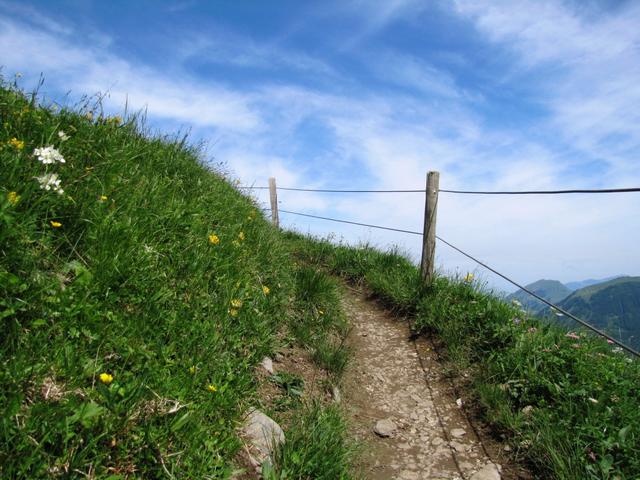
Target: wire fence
(553, 306)
(465, 192)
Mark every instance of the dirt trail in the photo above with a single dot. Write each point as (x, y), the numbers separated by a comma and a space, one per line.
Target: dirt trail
(392, 377)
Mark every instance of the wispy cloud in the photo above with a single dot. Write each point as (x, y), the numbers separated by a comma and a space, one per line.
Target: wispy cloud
(83, 69)
(591, 61)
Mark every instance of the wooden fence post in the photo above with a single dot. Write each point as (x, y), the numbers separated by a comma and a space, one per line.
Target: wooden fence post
(273, 195)
(429, 232)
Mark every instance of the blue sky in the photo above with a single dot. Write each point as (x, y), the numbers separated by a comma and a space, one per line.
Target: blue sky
(373, 94)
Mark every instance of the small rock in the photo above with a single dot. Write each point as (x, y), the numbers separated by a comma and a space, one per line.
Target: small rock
(527, 410)
(278, 357)
(458, 432)
(488, 472)
(263, 435)
(385, 427)
(459, 402)
(506, 448)
(364, 334)
(267, 364)
(458, 447)
(335, 393)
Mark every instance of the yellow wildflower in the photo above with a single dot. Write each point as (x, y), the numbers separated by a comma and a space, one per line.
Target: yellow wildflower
(103, 198)
(241, 236)
(13, 198)
(19, 144)
(55, 224)
(265, 290)
(214, 239)
(320, 312)
(106, 378)
(192, 369)
(468, 278)
(212, 388)
(236, 303)
(233, 312)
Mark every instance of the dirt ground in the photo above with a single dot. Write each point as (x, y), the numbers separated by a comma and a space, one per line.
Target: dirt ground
(394, 377)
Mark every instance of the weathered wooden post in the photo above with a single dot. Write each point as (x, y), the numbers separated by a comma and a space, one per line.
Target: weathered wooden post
(429, 232)
(273, 195)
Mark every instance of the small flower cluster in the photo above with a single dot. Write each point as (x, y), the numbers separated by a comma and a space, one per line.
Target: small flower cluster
(50, 181)
(17, 144)
(49, 155)
(13, 198)
(235, 307)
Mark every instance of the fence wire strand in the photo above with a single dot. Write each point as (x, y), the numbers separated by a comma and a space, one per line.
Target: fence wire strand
(351, 223)
(465, 192)
(543, 192)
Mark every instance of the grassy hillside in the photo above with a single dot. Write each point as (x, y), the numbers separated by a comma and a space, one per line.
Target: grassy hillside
(567, 403)
(138, 291)
(551, 290)
(613, 306)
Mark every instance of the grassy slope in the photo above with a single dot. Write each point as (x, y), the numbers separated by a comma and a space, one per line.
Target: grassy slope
(127, 281)
(582, 419)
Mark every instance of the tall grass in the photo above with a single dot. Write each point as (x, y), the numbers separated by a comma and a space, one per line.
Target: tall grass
(134, 306)
(567, 402)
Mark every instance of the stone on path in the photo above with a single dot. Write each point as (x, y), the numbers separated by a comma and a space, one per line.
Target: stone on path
(335, 393)
(489, 472)
(385, 427)
(263, 435)
(267, 364)
(458, 432)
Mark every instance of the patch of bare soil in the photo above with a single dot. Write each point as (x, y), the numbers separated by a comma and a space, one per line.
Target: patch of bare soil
(425, 433)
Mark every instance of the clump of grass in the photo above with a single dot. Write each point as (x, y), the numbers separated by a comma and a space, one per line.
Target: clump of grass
(137, 293)
(567, 401)
(320, 323)
(317, 447)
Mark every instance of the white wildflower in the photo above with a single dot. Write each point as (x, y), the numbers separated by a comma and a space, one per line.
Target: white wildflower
(516, 303)
(50, 181)
(48, 155)
(63, 136)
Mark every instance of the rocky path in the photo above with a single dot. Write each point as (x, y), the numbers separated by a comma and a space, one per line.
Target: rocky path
(402, 410)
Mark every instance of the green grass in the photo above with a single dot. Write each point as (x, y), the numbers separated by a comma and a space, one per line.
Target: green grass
(567, 402)
(133, 305)
(318, 448)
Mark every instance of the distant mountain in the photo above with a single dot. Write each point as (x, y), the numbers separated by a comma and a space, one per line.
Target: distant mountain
(612, 306)
(551, 290)
(587, 283)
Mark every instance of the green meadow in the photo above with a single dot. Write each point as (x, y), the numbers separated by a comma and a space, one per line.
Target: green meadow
(138, 291)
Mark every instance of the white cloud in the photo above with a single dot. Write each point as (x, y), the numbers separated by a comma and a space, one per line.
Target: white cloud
(591, 62)
(89, 70)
